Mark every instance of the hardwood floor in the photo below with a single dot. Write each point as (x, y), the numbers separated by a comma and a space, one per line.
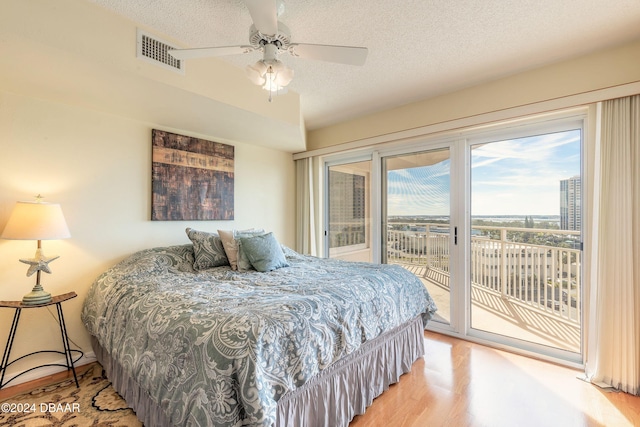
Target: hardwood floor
(459, 383)
(14, 390)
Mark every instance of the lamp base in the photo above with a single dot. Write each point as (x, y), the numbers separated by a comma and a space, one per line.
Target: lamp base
(37, 296)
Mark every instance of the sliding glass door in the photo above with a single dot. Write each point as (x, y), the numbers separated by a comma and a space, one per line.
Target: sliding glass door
(489, 220)
(416, 230)
(525, 243)
(349, 211)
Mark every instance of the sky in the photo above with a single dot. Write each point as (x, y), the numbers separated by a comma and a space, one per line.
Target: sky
(510, 177)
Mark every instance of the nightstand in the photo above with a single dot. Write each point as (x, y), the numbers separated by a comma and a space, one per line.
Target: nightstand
(18, 306)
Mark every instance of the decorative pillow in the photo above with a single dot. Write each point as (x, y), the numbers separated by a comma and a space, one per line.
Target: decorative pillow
(243, 261)
(230, 243)
(208, 249)
(263, 252)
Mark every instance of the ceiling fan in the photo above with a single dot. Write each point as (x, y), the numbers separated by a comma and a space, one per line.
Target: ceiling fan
(272, 37)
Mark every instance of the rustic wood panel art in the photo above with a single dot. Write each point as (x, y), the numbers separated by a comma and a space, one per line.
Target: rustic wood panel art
(192, 178)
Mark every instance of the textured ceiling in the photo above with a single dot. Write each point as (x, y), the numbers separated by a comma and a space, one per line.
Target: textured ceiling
(417, 48)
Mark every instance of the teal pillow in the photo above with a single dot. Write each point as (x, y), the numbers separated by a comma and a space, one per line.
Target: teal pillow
(263, 252)
(242, 262)
(207, 249)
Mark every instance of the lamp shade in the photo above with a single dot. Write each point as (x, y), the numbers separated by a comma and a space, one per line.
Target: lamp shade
(36, 221)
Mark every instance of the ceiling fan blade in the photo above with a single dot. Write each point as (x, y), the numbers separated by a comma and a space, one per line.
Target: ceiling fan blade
(264, 14)
(341, 54)
(204, 52)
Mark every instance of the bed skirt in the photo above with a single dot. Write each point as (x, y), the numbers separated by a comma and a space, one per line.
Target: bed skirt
(330, 399)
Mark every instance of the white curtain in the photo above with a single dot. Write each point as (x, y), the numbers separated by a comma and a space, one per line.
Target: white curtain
(613, 357)
(305, 208)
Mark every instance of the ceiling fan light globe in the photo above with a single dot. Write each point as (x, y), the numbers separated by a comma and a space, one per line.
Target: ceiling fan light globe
(277, 66)
(260, 67)
(272, 87)
(256, 72)
(254, 75)
(284, 77)
(270, 78)
(258, 81)
(282, 81)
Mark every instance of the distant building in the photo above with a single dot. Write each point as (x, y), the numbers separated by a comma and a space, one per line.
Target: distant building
(347, 209)
(570, 203)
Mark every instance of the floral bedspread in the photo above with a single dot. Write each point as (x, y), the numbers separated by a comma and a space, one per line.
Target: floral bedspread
(220, 347)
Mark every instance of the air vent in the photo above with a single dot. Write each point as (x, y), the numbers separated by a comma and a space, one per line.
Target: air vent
(154, 50)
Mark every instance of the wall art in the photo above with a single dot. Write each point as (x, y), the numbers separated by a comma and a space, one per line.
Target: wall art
(192, 178)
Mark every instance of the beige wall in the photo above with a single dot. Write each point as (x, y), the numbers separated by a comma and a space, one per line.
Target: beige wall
(605, 69)
(97, 166)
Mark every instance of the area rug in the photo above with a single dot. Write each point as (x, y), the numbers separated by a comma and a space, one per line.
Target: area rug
(62, 404)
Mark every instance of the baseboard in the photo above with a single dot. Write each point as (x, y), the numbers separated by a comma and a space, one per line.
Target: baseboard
(45, 371)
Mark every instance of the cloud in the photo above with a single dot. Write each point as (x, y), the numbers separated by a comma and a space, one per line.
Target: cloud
(419, 191)
(532, 149)
(511, 177)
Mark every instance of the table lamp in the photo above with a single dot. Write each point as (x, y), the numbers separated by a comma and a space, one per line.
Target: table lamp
(36, 221)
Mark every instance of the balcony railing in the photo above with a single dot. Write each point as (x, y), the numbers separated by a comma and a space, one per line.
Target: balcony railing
(537, 267)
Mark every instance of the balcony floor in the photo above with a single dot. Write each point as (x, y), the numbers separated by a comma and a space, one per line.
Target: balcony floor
(492, 312)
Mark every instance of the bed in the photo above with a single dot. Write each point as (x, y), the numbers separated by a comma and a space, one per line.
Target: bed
(311, 343)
